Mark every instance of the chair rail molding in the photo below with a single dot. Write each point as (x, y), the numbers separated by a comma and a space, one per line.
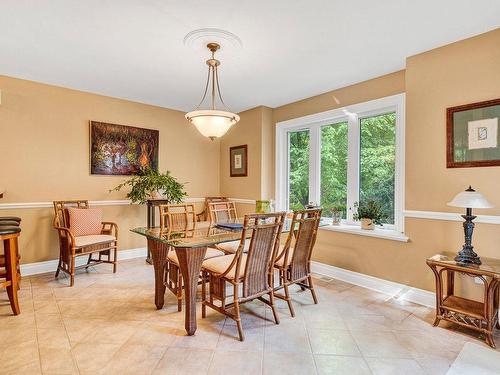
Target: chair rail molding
(119, 202)
(449, 216)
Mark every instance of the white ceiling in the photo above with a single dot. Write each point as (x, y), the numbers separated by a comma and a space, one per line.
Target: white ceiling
(292, 49)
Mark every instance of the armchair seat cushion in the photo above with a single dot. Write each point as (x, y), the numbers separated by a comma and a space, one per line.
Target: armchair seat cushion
(94, 239)
(211, 253)
(220, 264)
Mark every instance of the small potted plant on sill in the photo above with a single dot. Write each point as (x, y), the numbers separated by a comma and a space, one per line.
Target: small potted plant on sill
(368, 213)
(337, 212)
(151, 184)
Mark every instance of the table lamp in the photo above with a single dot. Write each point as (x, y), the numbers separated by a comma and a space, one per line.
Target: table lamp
(469, 199)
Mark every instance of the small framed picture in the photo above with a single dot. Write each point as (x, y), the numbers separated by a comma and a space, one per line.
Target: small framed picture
(472, 135)
(238, 157)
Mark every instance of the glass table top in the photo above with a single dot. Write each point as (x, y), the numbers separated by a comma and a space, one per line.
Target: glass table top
(203, 235)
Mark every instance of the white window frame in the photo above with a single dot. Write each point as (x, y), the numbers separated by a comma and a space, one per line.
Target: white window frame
(352, 114)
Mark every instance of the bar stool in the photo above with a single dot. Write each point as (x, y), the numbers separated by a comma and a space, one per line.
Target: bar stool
(10, 221)
(9, 236)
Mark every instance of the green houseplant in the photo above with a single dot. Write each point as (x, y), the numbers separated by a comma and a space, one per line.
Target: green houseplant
(150, 184)
(369, 213)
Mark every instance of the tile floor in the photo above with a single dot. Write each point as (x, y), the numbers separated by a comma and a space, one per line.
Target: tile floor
(107, 324)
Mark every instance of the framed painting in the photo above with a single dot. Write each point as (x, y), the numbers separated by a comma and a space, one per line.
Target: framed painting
(122, 150)
(238, 156)
(472, 135)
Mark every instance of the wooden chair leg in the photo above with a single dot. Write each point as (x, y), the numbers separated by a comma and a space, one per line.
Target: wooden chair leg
(237, 314)
(273, 307)
(288, 300)
(72, 272)
(115, 258)
(58, 267)
(179, 290)
(203, 294)
(10, 248)
(311, 287)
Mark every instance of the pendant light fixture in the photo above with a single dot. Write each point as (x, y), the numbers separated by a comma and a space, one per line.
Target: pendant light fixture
(212, 123)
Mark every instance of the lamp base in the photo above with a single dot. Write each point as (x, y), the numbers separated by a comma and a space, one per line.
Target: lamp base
(467, 256)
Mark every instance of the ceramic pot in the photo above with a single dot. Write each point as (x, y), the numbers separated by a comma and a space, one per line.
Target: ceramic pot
(336, 217)
(367, 224)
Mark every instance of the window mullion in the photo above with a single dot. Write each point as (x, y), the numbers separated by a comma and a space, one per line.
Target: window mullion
(314, 164)
(352, 164)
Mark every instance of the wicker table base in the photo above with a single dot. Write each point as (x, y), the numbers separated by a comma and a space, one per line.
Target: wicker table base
(190, 260)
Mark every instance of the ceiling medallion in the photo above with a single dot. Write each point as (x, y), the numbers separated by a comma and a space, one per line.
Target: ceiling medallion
(213, 122)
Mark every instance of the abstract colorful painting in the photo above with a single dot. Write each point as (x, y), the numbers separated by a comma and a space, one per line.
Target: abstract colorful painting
(122, 150)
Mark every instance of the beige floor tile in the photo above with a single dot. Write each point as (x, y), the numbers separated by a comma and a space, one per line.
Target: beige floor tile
(287, 337)
(57, 361)
(49, 321)
(19, 356)
(284, 363)
(188, 361)
(394, 366)
(112, 332)
(236, 362)
(92, 357)
(206, 337)
(79, 329)
(53, 338)
(338, 342)
(229, 338)
(336, 365)
(155, 333)
(135, 359)
(380, 344)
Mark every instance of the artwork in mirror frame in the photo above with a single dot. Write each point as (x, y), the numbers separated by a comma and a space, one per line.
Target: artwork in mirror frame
(122, 150)
(238, 157)
(472, 135)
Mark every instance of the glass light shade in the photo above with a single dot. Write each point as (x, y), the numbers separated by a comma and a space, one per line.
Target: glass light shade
(212, 123)
(470, 199)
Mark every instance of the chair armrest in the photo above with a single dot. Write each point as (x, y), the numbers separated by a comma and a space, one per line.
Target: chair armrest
(109, 228)
(66, 232)
(199, 217)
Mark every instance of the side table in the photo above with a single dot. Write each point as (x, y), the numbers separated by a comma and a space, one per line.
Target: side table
(481, 316)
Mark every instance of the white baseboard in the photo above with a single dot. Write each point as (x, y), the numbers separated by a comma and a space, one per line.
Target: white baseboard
(396, 290)
(51, 265)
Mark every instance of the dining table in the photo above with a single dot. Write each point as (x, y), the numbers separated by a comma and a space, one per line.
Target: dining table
(190, 246)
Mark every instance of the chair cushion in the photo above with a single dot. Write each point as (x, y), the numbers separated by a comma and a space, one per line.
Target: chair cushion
(9, 230)
(280, 261)
(211, 253)
(94, 239)
(220, 265)
(85, 221)
(231, 247)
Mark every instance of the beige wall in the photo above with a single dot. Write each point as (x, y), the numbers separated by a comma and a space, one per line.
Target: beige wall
(44, 143)
(460, 73)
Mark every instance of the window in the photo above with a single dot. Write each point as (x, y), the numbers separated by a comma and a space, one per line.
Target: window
(343, 156)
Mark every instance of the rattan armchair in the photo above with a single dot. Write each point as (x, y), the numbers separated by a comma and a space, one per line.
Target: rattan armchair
(294, 260)
(250, 274)
(205, 215)
(179, 218)
(105, 245)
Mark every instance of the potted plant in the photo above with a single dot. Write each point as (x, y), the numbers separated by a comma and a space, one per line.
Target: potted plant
(151, 184)
(337, 212)
(369, 213)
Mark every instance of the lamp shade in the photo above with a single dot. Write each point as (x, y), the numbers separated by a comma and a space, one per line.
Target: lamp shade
(212, 123)
(470, 199)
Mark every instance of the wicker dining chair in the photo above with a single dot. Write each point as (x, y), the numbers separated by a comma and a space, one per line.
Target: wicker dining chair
(179, 218)
(294, 260)
(223, 212)
(205, 215)
(251, 272)
(104, 244)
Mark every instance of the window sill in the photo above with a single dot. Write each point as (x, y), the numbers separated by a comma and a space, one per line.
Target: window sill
(386, 234)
